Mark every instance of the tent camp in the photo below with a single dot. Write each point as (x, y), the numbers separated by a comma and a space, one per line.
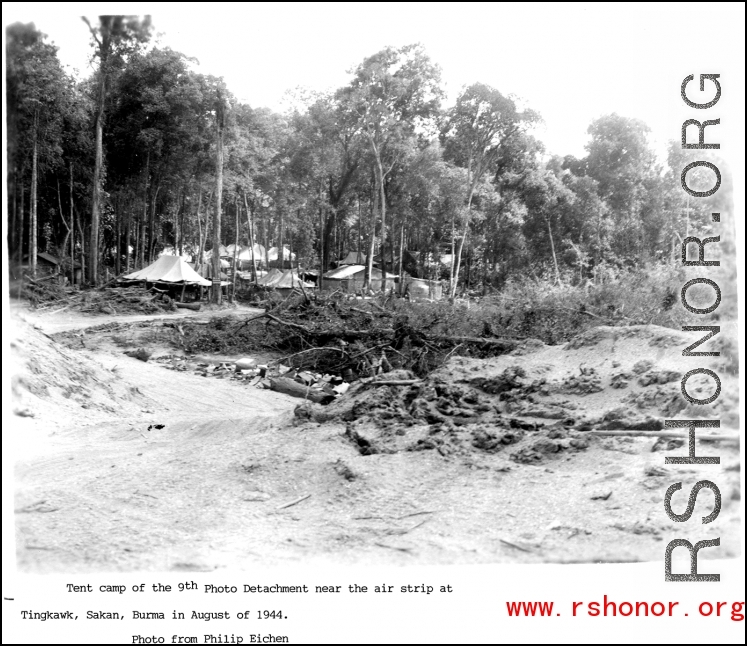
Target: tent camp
(169, 269)
(206, 271)
(283, 281)
(353, 258)
(269, 277)
(289, 280)
(244, 254)
(274, 254)
(248, 276)
(349, 278)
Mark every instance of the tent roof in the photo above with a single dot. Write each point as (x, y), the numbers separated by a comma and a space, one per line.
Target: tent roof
(288, 280)
(346, 271)
(269, 276)
(169, 269)
(274, 253)
(245, 252)
(353, 258)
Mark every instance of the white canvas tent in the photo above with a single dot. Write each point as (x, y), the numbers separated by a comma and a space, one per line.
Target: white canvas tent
(274, 254)
(288, 280)
(269, 277)
(350, 278)
(244, 253)
(169, 269)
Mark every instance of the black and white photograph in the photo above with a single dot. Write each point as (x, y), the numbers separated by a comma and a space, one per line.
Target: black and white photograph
(371, 285)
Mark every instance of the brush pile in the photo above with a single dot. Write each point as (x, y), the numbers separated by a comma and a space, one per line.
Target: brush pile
(45, 294)
(350, 337)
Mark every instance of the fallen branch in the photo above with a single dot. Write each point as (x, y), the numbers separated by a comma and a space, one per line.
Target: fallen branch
(666, 434)
(295, 354)
(514, 545)
(294, 502)
(294, 389)
(295, 326)
(189, 306)
(254, 318)
(112, 281)
(503, 342)
(393, 547)
(397, 382)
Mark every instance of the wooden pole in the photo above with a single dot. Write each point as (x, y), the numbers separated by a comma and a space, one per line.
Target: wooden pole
(235, 249)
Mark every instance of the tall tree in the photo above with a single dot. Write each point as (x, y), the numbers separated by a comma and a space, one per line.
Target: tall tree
(394, 94)
(478, 129)
(220, 124)
(114, 38)
(38, 97)
(623, 164)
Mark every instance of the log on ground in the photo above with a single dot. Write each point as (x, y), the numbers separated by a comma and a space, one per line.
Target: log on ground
(294, 389)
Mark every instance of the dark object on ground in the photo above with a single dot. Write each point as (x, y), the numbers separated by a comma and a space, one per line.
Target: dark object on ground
(140, 353)
(294, 389)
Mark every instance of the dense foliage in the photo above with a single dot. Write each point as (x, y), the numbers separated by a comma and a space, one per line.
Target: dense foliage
(112, 169)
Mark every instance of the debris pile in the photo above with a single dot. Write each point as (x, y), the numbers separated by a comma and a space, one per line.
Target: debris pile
(47, 295)
(400, 413)
(337, 335)
(316, 387)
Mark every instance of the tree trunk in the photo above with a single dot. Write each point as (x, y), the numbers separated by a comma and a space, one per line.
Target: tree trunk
(265, 235)
(118, 240)
(201, 246)
(382, 206)
(281, 248)
(401, 256)
(82, 247)
(141, 243)
(127, 235)
(34, 179)
(235, 250)
(216, 291)
(143, 227)
(321, 244)
(453, 257)
(371, 242)
(63, 247)
(152, 238)
(327, 231)
(250, 220)
(554, 257)
(21, 217)
(93, 247)
(464, 236)
(72, 230)
(360, 231)
(13, 213)
(180, 228)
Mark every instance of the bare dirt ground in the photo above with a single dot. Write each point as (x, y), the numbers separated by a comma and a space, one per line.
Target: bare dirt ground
(127, 466)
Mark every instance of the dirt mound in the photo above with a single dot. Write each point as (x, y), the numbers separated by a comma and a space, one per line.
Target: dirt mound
(450, 418)
(533, 404)
(48, 377)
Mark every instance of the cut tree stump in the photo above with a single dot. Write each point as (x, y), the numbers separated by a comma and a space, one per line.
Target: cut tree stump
(294, 389)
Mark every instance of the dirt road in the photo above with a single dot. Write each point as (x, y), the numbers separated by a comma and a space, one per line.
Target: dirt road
(134, 467)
